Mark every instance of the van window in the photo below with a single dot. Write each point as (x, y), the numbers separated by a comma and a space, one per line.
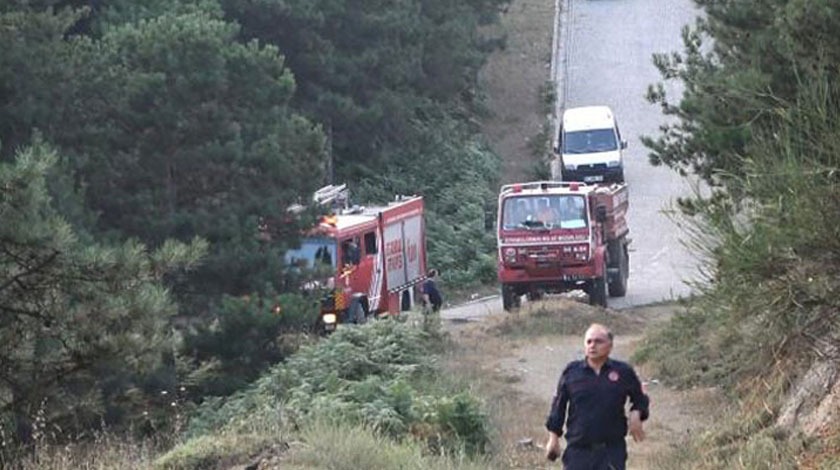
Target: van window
(590, 141)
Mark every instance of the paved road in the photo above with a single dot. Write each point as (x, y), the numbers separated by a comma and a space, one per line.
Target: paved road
(605, 51)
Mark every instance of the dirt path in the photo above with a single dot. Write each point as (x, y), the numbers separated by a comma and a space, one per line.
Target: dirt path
(515, 363)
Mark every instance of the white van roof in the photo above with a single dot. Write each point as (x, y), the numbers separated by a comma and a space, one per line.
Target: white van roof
(588, 117)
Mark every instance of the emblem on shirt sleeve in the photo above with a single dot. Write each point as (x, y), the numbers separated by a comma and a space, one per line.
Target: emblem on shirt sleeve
(613, 376)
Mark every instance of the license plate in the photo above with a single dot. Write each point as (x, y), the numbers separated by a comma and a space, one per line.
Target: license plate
(590, 179)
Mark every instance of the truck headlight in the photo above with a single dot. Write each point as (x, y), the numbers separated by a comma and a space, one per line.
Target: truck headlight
(570, 166)
(510, 255)
(330, 319)
(614, 163)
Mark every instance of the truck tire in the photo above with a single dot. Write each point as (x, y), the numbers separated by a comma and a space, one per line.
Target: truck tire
(510, 301)
(618, 288)
(598, 290)
(405, 301)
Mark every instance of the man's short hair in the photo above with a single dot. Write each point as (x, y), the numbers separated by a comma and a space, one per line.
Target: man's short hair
(602, 327)
(432, 273)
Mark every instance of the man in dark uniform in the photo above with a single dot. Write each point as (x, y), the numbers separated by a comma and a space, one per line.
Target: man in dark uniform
(432, 300)
(590, 401)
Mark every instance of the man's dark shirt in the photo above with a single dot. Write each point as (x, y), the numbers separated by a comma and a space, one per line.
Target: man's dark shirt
(430, 288)
(595, 403)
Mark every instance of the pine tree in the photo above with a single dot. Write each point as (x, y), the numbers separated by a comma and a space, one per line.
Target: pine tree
(742, 65)
(70, 312)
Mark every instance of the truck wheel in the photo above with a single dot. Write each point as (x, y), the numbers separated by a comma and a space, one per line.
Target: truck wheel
(405, 303)
(510, 301)
(618, 288)
(598, 290)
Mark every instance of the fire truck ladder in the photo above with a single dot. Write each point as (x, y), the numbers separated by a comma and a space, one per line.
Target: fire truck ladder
(335, 196)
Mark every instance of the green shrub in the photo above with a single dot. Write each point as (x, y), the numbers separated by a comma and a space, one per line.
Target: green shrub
(247, 336)
(376, 375)
(209, 452)
(459, 423)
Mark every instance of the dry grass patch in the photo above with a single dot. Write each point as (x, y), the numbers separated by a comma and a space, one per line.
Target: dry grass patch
(513, 361)
(478, 357)
(346, 447)
(514, 81)
(106, 452)
(827, 455)
(472, 360)
(563, 316)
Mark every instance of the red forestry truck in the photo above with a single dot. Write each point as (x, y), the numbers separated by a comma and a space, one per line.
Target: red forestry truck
(557, 236)
(372, 257)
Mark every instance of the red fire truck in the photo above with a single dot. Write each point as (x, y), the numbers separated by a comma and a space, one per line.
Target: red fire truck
(556, 236)
(372, 256)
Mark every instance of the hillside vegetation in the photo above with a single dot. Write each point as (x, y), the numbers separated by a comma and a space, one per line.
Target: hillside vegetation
(368, 396)
(148, 154)
(760, 123)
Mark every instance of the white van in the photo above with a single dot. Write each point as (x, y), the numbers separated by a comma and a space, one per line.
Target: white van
(590, 145)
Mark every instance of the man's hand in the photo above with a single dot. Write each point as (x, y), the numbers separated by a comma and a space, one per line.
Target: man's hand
(552, 447)
(635, 426)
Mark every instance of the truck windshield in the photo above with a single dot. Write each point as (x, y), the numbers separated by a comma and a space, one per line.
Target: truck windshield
(313, 252)
(544, 212)
(589, 141)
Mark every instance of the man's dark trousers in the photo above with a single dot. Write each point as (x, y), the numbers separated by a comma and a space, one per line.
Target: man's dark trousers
(596, 457)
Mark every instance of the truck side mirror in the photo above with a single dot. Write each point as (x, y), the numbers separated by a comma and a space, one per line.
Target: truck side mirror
(623, 144)
(601, 214)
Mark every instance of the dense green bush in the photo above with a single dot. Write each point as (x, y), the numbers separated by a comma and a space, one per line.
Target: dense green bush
(248, 335)
(374, 375)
